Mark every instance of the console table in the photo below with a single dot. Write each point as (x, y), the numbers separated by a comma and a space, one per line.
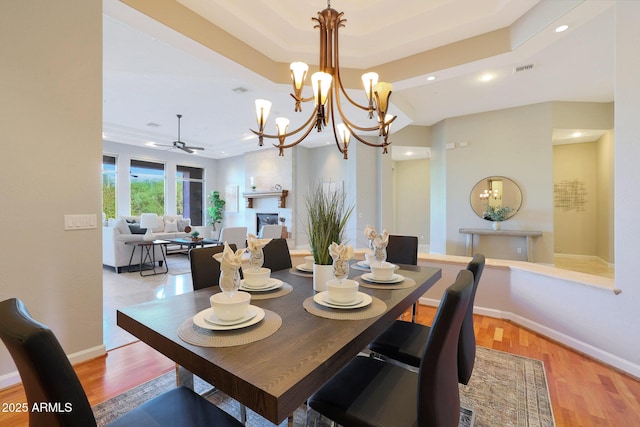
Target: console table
(528, 234)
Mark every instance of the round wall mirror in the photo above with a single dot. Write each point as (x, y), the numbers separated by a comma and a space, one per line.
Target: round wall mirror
(496, 194)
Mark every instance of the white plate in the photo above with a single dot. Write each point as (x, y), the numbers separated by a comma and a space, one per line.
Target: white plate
(245, 285)
(364, 264)
(396, 278)
(199, 320)
(322, 296)
(213, 319)
(357, 301)
(272, 284)
(303, 267)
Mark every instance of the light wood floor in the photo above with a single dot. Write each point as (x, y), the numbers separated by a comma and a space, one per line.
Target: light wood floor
(583, 392)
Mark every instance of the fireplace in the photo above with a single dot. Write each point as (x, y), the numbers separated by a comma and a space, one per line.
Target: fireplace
(265, 219)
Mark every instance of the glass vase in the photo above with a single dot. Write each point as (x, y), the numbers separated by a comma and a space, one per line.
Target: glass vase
(380, 253)
(256, 259)
(229, 282)
(340, 269)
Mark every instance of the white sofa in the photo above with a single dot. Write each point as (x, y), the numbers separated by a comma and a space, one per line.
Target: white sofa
(116, 253)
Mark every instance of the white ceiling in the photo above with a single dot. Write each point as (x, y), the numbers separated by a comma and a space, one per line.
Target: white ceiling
(152, 73)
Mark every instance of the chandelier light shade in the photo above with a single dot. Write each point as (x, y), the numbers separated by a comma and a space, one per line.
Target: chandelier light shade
(327, 95)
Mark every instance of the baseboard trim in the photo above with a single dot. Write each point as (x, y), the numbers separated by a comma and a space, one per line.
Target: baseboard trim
(581, 347)
(13, 378)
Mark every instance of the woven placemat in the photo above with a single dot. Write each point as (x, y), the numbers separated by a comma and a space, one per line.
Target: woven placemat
(406, 283)
(376, 308)
(196, 335)
(281, 291)
(301, 273)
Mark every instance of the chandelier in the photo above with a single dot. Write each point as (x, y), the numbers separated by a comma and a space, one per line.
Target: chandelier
(327, 94)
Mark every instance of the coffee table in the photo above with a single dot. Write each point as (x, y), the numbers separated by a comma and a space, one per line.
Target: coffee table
(190, 244)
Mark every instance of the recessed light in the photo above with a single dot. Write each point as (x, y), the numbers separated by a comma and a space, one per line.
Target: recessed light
(487, 77)
(576, 134)
(431, 78)
(150, 143)
(562, 28)
(409, 153)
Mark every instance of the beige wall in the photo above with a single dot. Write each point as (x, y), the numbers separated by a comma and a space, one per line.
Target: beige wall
(574, 178)
(585, 230)
(515, 143)
(51, 127)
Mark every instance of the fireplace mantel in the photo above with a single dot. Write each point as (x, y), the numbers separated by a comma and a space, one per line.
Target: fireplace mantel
(281, 195)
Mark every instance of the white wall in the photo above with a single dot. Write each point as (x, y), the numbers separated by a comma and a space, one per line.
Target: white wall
(621, 318)
(51, 127)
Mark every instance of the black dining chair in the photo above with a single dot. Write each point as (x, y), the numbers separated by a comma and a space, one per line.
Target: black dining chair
(205, 270)
(371, 392)
(276, 255)
(405, 341)
(48, 378)
(404, 250)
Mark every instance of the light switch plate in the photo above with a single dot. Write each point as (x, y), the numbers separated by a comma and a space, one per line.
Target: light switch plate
(80, 222)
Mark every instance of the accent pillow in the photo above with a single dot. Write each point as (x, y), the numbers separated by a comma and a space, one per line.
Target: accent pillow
(122, 226)
(135, 229)
(183, 223)
(159, 228)
(171, 227)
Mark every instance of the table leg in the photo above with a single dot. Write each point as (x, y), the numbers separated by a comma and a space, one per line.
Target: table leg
(529, 249)
(469, 244)
(184, 377)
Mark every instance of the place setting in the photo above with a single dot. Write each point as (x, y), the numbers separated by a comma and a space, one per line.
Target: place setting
(259, 283)
(257, 279)
(305, 269)
(383, 275)
(231, 319)
(342, 300)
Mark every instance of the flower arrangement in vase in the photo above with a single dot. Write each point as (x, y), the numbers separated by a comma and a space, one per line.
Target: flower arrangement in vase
(497, 214)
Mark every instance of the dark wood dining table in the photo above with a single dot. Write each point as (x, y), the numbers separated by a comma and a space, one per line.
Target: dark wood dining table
(275, 375)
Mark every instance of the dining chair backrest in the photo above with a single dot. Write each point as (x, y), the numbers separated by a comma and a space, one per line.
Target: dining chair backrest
(270, 231)
(276, 255)
(235, 235)
(46, 373)
(402, 249)
(205, 270)
(438, 395)
(467, 340)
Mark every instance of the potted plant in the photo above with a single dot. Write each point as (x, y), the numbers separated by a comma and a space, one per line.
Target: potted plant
(327, 218)
(215, 209)
(497, 214)
(195, 236)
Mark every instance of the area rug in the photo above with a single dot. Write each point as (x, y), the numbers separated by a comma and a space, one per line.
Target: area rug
(504, 390)
(178, 264)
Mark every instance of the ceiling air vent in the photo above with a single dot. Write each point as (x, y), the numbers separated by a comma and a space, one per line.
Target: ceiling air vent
(240, 89)
(522, 68)
(153, 125)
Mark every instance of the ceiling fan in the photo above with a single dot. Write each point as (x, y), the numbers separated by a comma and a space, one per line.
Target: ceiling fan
(179, 144)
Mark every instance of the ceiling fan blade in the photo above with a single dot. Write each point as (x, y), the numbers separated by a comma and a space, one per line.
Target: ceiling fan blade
(187, 149)
(196, 148)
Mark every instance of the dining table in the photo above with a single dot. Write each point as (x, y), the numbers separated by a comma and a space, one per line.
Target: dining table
(304, 345)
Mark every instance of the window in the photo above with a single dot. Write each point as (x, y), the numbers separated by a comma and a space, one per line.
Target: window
(189, 185)
(147, 187)
(109, 186)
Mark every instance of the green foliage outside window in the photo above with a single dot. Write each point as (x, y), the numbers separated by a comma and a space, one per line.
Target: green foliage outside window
(147, 195)
(108, 195)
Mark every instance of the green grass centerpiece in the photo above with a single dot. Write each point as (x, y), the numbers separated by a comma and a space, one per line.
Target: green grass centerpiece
(328, 216)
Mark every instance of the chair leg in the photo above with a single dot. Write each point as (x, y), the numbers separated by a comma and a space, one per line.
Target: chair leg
(243, 414)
